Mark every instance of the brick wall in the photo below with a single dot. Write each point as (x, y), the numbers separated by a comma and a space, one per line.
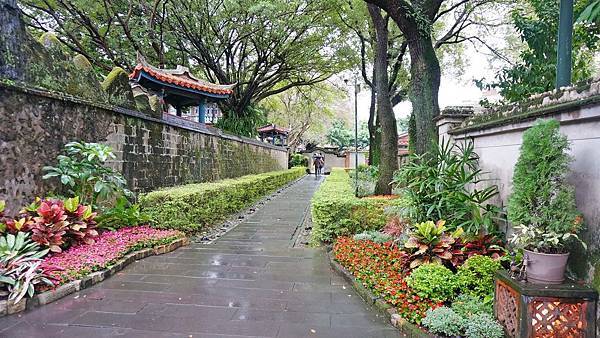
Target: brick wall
(151, 153)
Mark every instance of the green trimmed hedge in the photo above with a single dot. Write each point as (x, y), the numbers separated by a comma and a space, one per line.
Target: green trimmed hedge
(191, 207)
(337, 212)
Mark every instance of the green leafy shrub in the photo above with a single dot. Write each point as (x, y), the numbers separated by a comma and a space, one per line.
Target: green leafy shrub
(123, 214)
(443, 184)
(483, 326)
(444, 321)
(467, 305)
(432, 281)
(337, 212)
(298, 160)
(191, 207)
(83, 173)
(542, 201)
(374, 236)
(476, 276)
(367, 179)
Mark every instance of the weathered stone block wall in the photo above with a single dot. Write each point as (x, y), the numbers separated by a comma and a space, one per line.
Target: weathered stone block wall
(151, 153)
(497, 136)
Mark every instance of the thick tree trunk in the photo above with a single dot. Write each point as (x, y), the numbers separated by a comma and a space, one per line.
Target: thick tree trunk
(385, 113)
(424, 65)
(424, 88)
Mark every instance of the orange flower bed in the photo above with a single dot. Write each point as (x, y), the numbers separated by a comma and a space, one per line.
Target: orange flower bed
(379, 268)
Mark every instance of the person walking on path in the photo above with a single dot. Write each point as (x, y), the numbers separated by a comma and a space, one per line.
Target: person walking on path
(318, 164)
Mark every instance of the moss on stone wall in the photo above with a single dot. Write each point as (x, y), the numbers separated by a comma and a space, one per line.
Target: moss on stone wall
(82, 63)
(116, 85)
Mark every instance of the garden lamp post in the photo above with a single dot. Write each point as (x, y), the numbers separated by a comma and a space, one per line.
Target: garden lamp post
(356, 90)
(565, 44)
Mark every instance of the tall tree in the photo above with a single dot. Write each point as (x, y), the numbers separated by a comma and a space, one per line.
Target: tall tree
(416, 19)
(256, 44)
(385, 113)
(355, 16)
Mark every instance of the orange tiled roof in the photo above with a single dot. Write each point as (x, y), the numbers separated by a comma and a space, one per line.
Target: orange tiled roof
(180, 77)
(272, 127)
(180, 81)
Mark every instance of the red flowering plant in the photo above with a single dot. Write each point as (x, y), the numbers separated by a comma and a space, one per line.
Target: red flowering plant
(82, 259)
(378, 266)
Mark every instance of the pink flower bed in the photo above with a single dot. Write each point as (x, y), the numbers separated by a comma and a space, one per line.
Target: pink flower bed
(110, 246)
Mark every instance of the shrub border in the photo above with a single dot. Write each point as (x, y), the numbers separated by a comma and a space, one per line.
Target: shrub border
(408, 329)
(9, 308)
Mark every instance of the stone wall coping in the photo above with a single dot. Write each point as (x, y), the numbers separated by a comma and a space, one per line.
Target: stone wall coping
(453, 117)
(523, 120)
(172, 121)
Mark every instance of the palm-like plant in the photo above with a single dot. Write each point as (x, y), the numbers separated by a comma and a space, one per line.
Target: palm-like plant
(445, 184)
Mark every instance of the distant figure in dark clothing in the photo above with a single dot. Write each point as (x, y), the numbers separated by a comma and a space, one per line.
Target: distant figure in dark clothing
(318, 163)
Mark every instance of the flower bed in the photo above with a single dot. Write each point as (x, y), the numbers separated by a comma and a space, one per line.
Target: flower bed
(446, 300)
(379, 268)
(81, 260)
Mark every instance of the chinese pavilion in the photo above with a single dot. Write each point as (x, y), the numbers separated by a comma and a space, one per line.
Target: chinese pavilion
(273, 134)
(179, 88)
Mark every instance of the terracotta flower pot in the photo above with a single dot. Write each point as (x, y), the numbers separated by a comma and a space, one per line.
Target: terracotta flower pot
(546, 268)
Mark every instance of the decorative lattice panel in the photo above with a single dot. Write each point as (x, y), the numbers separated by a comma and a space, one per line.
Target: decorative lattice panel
(554, 318)
(507, 308)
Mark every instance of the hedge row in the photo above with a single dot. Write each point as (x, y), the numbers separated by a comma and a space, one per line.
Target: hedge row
(337, 212)
(191, 207)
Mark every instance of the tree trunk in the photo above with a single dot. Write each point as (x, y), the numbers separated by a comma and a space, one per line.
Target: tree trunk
(424, 65)
(424, 88)
(374, 133)
(385, 113)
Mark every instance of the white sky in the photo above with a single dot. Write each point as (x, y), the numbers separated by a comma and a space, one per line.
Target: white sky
(453, 91)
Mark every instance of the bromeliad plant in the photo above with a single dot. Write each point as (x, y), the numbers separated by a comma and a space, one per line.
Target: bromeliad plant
(20, 266)
(83, 172)
(430, 242)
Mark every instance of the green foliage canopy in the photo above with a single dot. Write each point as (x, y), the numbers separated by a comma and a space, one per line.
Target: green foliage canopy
(535, 72)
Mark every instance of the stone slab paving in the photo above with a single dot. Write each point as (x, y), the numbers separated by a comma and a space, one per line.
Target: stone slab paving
(249, 283)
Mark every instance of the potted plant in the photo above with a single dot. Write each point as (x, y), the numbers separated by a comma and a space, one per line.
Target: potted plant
(542, 204)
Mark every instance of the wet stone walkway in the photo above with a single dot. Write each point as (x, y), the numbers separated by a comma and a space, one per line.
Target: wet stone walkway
(249, 283)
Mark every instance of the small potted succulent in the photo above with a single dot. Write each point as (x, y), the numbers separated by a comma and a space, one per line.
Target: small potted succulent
(542, 204)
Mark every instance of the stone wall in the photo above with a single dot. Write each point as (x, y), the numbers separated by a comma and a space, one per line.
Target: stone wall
(151, 153)
(497, 136)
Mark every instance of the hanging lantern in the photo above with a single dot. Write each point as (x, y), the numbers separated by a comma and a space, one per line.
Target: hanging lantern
(544, 311)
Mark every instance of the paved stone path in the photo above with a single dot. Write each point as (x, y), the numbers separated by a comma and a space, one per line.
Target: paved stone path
(250, 283)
